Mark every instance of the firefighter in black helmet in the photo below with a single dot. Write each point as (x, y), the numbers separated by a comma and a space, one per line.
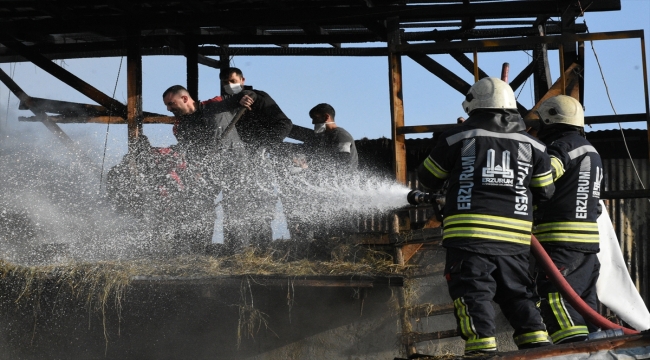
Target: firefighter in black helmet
(496, 172)
(566, 225)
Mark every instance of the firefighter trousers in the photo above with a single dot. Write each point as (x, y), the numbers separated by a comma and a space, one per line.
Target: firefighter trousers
(474, 280)
(581, 271)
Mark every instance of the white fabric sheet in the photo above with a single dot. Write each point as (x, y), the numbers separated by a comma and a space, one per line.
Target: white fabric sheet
(614, 287)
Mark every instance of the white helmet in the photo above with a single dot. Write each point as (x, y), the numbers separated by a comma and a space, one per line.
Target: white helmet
(562, 109)
(489, 93)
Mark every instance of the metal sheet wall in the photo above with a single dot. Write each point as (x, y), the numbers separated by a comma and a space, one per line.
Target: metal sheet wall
(630, 217)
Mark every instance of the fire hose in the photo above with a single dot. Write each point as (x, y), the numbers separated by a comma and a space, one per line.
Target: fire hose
(416, 197)
(567, 291)
(237, 116)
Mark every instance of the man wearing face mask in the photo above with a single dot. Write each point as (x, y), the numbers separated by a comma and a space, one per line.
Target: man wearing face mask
(264, 124)
(333, 147)
(250, 199)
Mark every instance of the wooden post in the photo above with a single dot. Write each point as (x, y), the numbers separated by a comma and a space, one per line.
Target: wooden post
(581, 63)
(134, 87)
(475, 66)
(645, 88)
(224, 63)
(396, 101)
(505, 70)
(192, 57)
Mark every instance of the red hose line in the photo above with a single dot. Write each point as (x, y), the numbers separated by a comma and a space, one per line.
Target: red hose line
(567, 291)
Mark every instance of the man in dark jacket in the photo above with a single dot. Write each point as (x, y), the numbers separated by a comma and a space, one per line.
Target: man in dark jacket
(496, 173)
(206, 154)
(250, 200)
(566, 225)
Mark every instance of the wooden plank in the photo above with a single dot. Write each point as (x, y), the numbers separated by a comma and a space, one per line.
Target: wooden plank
(274, 280)
(409, 250)
(413, 337)
(427, 310)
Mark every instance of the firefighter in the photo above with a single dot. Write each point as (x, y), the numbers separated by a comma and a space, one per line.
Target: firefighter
(566, 225)
(496, 173)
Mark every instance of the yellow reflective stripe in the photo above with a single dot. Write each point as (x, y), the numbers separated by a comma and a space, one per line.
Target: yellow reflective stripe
(491, 220)
(531, 337)
(558, 166)
(481, 344)
(572, 331)
(542, 180)
(576, 238)
(580, 232)
(434, 169)
(486, 233)
(561, 315)
(567, 226)
(464, 319)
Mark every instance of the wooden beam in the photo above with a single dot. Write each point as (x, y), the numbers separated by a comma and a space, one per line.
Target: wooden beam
(63, 75)
(396, 103)
(542, 75)
(134, 88)
(69, 109)
(589, 120)
(191, 55)
(40, 114)
(279, 16)
(441, 72)
(105, 119)
(467, 63)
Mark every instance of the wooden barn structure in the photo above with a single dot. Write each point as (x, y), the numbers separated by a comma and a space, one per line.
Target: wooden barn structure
(209, 32)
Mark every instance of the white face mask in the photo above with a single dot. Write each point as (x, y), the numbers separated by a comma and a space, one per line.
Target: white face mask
(233, 89)
(320, 128)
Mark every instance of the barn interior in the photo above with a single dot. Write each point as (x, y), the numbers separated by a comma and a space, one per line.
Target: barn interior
(375, 292)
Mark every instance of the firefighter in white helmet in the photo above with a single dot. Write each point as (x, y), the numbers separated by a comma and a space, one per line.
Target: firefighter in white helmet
(566, 225)
(495, 173)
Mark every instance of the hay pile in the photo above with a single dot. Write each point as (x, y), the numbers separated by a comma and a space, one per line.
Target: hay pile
(99, 282)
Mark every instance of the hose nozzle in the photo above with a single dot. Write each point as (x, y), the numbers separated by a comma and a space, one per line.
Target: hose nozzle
(417, 197)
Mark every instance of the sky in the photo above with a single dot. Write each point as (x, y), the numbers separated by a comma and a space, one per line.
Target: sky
(357, 87)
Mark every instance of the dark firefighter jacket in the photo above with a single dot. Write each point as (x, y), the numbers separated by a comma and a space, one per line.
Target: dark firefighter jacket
(569, 218)
(496, 172)
(265, 125)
